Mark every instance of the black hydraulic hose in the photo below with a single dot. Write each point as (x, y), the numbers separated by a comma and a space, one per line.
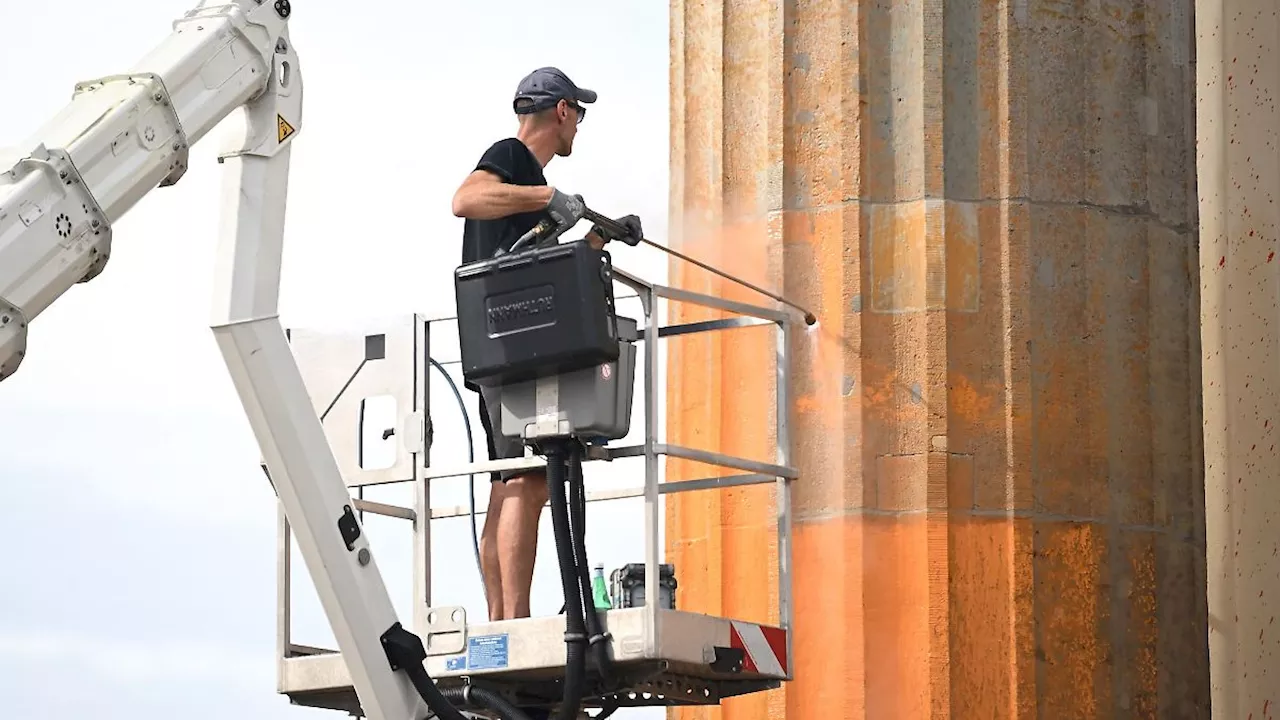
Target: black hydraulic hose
(578, 532)
(431, 694)
(471, 455)
(582, 623)
(473, 696)
(575, 636)
(597, 639)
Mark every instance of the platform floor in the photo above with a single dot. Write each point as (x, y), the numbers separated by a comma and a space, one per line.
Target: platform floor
(693, 659)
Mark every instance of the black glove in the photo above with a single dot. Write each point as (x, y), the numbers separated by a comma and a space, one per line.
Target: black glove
(634, 230)
(631, 237)
(565, 209)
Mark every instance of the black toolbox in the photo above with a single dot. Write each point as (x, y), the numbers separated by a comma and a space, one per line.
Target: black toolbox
(536, 312)
(626, 586)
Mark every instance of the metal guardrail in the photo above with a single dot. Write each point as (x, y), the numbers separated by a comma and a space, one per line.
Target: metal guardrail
(749, 472)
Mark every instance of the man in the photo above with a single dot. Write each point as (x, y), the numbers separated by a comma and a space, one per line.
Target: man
(502, 199)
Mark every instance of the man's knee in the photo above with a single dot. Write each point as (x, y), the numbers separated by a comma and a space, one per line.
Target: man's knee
(530, 487)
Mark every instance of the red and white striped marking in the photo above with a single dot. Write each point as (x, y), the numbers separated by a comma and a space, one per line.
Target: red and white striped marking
(764, 648)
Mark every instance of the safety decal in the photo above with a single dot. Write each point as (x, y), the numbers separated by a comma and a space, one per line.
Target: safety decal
(487, 652)
(764, 648)
(285, 129)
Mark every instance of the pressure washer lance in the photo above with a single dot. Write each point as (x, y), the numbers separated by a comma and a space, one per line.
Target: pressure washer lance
(547, 230)
(621, 232)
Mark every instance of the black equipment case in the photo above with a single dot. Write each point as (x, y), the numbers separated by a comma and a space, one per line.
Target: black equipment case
(536, 312)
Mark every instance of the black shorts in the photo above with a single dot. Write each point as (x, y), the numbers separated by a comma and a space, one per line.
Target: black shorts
(501, 447)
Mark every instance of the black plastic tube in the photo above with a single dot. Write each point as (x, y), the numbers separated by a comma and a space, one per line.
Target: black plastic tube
(595, 628)
(472, 696)
(578, 531)
(471, 458)
(431, 694)
(575, 636)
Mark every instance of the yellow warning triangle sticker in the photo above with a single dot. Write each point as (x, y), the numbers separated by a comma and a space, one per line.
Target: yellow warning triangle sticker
(285, 129)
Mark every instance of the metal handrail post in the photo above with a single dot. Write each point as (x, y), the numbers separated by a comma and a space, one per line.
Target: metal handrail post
(651, 496)
(284, 623)
(421, 529)
(783, 501)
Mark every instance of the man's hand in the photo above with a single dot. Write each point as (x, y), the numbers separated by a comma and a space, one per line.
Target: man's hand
(596, 240)
(565, 209)
(634, 230)
(632, 237)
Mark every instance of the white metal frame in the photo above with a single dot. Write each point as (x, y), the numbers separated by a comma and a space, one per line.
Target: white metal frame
(297, 455)
(662, 644)
(119, 138)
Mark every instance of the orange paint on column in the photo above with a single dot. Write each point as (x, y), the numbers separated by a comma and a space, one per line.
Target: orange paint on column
(997, 509)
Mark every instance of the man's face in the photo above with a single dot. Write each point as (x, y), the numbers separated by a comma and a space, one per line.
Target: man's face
(569, 114)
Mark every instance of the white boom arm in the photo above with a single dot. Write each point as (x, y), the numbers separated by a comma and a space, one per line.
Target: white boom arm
(120, 137)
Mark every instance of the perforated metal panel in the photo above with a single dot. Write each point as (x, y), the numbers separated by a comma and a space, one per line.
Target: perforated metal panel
(369, 390)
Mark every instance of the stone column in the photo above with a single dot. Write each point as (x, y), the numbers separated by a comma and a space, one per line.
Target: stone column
(991, 207)
(1239, 163)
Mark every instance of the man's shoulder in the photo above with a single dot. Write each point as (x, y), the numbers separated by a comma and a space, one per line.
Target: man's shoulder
(513, 162)
(511, 148)
(508, 143)
(510, 159)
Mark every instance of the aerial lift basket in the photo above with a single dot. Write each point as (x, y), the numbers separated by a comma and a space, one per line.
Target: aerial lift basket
(664, 656)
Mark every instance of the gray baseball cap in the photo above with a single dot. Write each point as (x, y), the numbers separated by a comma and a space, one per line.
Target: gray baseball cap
(545, 87)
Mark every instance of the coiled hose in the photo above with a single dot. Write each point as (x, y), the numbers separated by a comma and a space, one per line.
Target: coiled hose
(434, 696)
(575, 636)
(473, 696)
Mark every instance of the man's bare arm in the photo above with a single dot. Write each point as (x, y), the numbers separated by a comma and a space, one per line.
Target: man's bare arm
(483, 196)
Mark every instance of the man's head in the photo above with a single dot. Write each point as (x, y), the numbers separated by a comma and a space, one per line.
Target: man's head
(548, 101)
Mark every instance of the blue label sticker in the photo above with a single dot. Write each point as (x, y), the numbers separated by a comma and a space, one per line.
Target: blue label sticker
(456, 663)
(487, 652)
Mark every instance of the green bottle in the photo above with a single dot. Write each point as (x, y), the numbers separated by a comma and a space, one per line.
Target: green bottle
(599, 592)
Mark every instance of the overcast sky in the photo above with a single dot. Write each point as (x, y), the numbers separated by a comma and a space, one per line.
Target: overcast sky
(139, 574)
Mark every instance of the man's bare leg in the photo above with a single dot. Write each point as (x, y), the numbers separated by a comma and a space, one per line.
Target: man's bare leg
(490, 563)
(522, 505)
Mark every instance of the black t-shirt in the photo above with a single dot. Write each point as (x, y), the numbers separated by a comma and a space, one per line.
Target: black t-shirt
(512, 161)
